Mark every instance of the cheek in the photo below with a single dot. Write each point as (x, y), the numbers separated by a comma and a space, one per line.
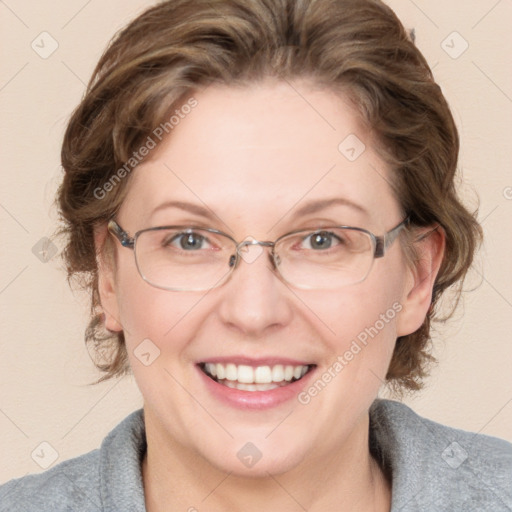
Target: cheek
(148, 313)
(358, 333)
(359, 323)
(158, 327)
(374, 302)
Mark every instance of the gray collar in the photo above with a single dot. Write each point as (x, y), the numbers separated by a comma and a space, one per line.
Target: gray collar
(433, 467)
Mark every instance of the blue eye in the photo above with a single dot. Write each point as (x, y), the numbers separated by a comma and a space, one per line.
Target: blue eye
(187, 241)
(322, 240)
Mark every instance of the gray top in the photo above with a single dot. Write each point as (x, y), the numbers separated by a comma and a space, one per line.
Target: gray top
(434, 468)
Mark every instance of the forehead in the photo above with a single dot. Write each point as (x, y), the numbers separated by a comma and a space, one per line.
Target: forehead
(270, 147)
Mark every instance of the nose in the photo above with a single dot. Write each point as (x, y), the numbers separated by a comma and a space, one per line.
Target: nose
(254, 298)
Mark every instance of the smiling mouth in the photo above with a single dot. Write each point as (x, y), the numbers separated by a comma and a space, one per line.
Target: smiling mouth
(255, 378)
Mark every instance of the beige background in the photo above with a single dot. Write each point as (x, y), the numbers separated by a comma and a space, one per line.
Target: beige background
(44, 366)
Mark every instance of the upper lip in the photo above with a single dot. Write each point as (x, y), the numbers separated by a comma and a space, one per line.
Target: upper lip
(260, 361)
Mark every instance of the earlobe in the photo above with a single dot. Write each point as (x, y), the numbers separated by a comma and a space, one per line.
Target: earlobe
(106, 283)
(417, 297)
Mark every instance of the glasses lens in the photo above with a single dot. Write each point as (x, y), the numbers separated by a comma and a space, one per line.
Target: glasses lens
(191, 259)
(183, 258)
(327, 258)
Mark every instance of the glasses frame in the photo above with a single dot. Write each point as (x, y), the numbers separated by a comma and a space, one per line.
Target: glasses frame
(380, 243)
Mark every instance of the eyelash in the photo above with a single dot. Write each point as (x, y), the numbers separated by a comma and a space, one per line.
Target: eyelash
(177, 237)
(324, 234)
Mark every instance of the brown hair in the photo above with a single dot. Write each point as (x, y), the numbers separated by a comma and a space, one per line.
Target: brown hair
(173, 49)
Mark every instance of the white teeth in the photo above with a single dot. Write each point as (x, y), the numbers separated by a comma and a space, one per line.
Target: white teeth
(278, 373)
(288, 373)
(211, 369)
(245, 374)
(249, 387)
(221, 372)
(297, 372)
(259, 375)
(231, 372)
(264, 387)
(263, 375)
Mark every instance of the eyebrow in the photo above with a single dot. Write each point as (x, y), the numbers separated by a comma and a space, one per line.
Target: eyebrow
(310, 207)
(322, 204)
(190, 207)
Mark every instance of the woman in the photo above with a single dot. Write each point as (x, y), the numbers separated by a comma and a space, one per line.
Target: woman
(261, 197)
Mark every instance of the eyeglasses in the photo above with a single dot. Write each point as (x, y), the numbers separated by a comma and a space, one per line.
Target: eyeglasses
(190, 258)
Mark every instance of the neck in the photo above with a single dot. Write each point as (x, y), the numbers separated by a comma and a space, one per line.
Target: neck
(345, 478)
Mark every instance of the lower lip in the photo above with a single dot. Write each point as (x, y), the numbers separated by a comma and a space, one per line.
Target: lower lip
(255, 399)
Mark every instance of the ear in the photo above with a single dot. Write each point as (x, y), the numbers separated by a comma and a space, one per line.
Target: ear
(106, 281)
(417, 297)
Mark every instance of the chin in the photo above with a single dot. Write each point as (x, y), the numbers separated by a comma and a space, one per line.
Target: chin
(245, 465)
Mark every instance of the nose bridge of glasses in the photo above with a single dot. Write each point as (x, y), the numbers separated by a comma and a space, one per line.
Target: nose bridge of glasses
(242, 249)
(251, 241)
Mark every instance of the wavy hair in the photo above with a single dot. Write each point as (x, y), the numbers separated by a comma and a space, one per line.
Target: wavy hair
(356, 47)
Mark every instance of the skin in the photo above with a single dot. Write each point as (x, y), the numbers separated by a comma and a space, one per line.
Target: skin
(254, 156)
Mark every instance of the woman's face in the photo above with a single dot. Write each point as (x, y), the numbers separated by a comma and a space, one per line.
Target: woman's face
(251, 159)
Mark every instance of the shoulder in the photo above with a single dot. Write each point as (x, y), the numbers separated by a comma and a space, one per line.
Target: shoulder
(438, 466)
(71, 484)
(90, 483)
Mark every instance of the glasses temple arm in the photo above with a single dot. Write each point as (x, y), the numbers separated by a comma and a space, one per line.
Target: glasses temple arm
(383, 242)
(120, 234)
